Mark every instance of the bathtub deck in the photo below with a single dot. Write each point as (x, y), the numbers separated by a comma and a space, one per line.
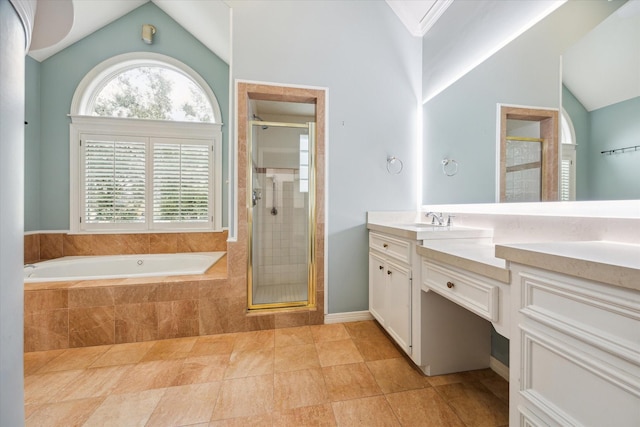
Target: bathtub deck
(60, 315)
(216, 271)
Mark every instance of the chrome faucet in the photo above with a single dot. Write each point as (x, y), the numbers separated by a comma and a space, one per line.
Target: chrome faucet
(30, 265)
(435, 218)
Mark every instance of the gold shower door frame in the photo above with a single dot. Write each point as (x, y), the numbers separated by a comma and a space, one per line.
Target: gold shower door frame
(311, 215)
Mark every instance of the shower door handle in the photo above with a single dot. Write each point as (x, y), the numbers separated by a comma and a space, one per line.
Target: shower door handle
(255, 196)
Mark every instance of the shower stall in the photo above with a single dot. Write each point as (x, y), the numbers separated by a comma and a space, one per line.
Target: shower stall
(281, 214)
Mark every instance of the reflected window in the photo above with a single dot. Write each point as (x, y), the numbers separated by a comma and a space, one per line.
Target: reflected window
(568, 158)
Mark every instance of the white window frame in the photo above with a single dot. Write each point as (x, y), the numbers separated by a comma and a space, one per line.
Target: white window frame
(568, 154)
(83, 122)
(210, 133)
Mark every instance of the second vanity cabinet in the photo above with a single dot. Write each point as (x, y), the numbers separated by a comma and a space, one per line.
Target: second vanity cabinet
(390, 286)
(575, 352)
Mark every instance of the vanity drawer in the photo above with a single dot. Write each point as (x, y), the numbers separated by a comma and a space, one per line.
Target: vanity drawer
(395, 248)
(474, 294)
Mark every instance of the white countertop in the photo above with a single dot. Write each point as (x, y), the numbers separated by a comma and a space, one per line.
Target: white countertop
(419, 231)
(608, 262)
(475, 255)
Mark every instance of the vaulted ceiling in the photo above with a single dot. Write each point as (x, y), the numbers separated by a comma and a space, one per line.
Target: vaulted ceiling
(61, 23)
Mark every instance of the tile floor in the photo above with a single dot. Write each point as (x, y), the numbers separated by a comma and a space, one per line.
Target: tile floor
(328, 375)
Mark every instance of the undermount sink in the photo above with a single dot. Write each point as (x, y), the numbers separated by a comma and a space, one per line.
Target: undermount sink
(424, 225)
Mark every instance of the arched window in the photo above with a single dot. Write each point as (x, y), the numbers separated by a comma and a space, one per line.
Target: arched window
(145, 144)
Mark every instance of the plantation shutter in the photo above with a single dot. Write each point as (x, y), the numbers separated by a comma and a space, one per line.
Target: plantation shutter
(565, 180)
(114, 180)
(182, 181)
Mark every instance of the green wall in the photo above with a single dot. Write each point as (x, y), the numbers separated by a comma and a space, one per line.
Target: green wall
(32, 132)
(60, 75)
(617, 176)
(599, 176)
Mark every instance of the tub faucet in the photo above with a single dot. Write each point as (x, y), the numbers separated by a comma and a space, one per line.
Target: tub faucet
(30, 265)
(435, 218)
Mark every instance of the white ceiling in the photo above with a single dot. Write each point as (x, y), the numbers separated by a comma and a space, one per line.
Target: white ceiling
(603, 68)
(209, 22)
(206, 20)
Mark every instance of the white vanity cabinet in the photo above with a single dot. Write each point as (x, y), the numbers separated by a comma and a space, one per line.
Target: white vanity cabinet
(390, 286)
(575, 351)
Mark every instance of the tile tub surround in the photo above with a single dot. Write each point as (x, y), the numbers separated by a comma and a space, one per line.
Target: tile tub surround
(45, 246)
(267, 378)
(61, 315)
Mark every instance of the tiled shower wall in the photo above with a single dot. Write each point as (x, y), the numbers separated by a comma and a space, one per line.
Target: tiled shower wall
(44, 246)
(523, 185)
(281, 239)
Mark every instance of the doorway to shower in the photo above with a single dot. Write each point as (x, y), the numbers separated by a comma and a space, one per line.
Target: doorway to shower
(281, 207)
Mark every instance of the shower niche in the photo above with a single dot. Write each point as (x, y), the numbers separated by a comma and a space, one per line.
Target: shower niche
(281, 181)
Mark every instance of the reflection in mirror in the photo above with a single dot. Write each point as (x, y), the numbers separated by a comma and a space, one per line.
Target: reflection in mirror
(528, 154)
(601, 95)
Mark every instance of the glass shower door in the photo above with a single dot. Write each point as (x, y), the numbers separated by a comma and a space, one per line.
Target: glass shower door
(280, 216)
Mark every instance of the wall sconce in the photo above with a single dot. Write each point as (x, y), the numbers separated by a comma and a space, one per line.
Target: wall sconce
(148, 31)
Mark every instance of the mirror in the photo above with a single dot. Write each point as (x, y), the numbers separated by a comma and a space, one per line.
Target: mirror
(601, 96)
(461, 121)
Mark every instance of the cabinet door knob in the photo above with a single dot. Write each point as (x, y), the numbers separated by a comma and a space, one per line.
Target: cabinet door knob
(384, 245)
(381, 268)
(389, 272)
(450, 285)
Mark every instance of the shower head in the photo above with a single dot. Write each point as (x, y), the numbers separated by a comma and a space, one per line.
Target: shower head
(256, 117)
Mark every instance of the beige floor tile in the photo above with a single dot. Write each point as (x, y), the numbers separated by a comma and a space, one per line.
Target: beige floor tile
(498, 386)
(35, 360)
(93, 383)
(475, 404)
(64, 414)
(293, 336)
(438, 380)
(256, 340)
(264, 420)
(368, 411)
(422, 408)
(299, 388)
(185, 405)
(479, 375)
(149, 375)
(202, 369)
(213, 345)
(331, 332)
(393, 375)
(338, 353)
(367, 329)
(244, 397)
(318, 416)
(123, 354)
(75, 358)
(349, 382)
(178, 348)
(294, 358)
(250, 363)
(43, 388)
(124, 410)
(377, 348)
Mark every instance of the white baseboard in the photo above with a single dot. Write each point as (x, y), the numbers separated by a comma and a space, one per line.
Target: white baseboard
(351, 316)
(499, 368)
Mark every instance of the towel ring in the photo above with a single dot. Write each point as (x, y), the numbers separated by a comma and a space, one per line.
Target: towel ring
(449, 170)
(394, 165)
